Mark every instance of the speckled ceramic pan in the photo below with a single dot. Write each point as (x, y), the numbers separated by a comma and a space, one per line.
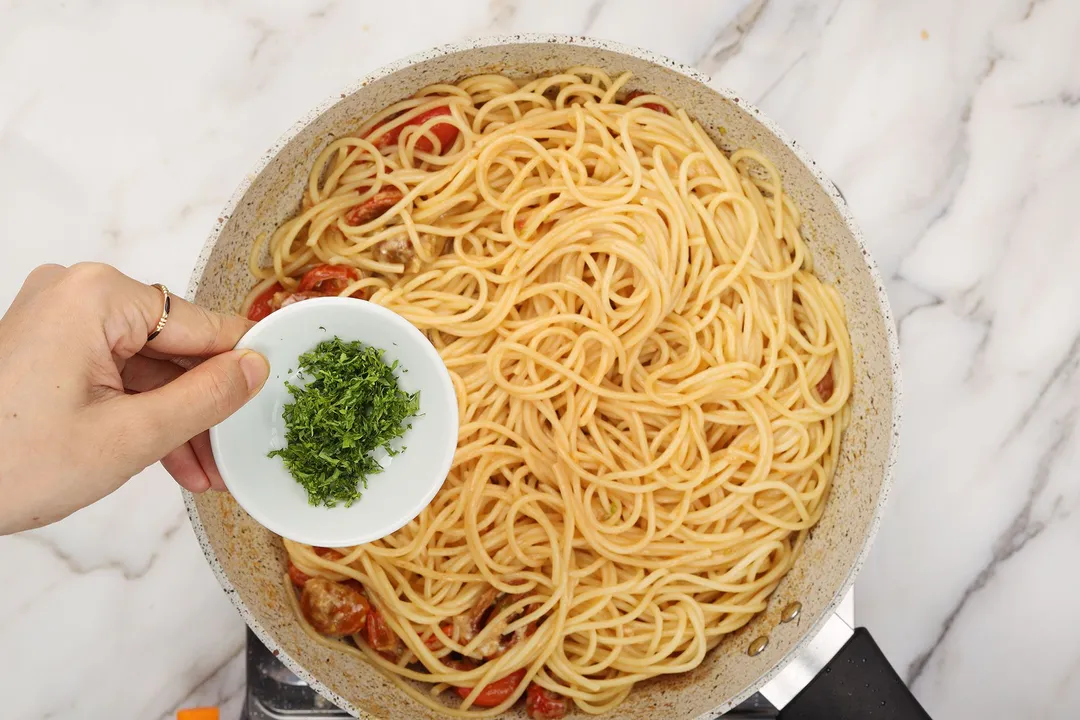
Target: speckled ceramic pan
(249, 561)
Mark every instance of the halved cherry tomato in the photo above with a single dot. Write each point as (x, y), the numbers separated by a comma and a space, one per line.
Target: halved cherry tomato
(446, 132)
(432, 641)
(300, 578)
(373, 207)
(262, 307)
(496, 692)
(461, 664)
(496, 647)
(379, 635)
(505, 642)
(542, 704)
(355, 585)
(652, 106)
(332, 608)
(328, 279)
(480, 608)
(826, 386)
(287, 298)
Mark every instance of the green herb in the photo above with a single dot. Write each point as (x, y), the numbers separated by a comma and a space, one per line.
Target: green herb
(350, 407)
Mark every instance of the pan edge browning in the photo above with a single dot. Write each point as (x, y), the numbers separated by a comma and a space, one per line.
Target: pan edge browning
(249, 561)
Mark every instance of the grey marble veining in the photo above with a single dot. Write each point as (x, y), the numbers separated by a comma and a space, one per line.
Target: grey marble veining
(953, 128)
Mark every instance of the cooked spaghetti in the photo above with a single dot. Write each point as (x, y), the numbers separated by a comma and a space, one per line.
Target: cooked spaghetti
(652, 387)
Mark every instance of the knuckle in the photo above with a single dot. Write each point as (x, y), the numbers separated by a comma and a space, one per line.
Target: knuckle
(42, 278)
(212, 321)
(92, 272)
(44, 271)
(88, 279)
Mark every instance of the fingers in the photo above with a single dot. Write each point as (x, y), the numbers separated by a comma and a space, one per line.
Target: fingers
(192, 330)
(192, 464)
(201, 445)
(132, 309)
(172, 414)
(184, 466)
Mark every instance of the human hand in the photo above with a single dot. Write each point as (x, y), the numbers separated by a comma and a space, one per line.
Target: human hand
(86, 402)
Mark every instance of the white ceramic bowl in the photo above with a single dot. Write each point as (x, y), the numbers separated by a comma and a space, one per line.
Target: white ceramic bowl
(263, 486)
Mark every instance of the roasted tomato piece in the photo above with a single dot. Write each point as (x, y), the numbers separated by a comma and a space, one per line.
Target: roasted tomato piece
(380, 637)
(826, 386)
(300, 578)
(328, 279)
(496, 692)
(263, 304)
(373, 207)
(541, 704)
(446, 132)
(432, 641)
(334, 609)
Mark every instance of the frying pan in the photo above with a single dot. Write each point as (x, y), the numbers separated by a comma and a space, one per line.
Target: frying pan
(250, 562)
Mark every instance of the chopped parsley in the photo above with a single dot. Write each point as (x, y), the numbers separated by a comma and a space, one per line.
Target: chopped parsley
(349, 407)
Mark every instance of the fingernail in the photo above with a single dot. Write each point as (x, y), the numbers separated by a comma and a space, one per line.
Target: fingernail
(255, 369)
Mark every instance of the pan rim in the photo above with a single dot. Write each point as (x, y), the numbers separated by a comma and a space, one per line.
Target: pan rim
(838, 201)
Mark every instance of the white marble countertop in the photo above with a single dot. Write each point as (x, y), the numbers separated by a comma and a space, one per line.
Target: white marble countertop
(953, 128)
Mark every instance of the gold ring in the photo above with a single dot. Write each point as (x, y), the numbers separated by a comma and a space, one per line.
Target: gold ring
(164, 312)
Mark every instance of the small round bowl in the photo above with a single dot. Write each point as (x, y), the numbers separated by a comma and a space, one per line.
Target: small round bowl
(409, 480)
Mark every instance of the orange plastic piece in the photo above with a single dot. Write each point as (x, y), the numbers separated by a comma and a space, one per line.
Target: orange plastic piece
(203, 713)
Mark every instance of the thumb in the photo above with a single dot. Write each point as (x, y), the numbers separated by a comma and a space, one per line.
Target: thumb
(196, 401)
